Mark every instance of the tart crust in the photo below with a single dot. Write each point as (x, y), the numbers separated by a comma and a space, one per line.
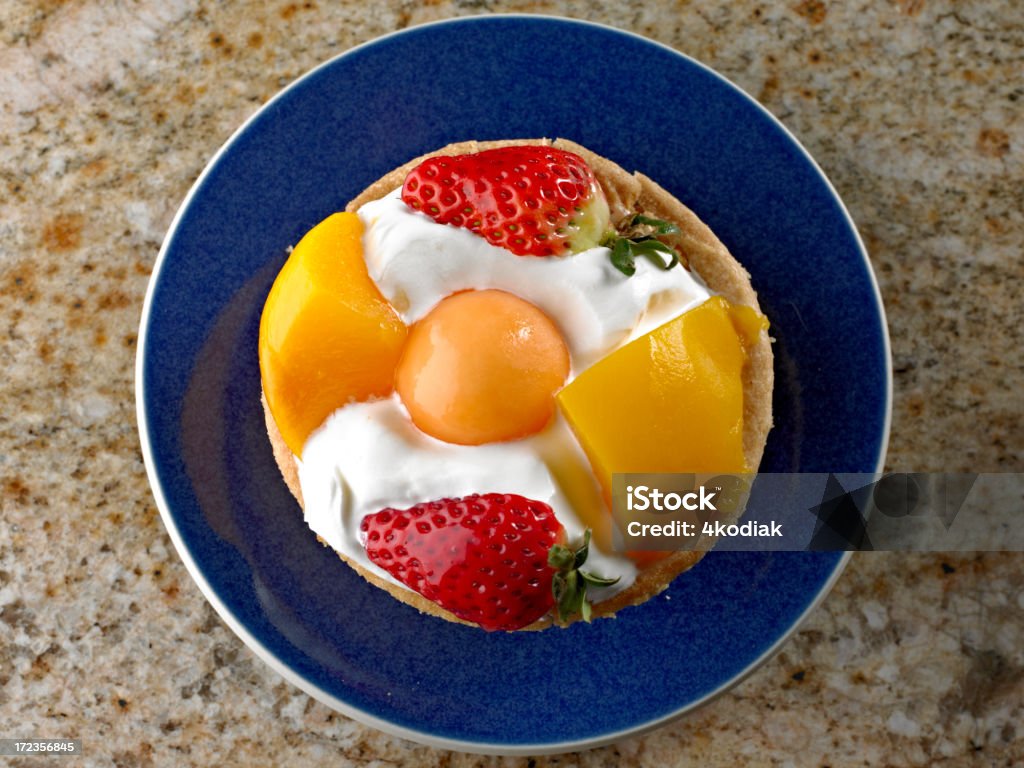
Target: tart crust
(627, 193)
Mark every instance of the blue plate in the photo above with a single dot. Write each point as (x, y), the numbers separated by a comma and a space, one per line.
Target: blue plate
(315, 146)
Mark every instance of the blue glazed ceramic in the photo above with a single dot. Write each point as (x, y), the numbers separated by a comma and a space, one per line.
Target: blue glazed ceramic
(303, 156)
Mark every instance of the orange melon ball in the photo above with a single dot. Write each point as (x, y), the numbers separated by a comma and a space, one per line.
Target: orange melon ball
(482, 367)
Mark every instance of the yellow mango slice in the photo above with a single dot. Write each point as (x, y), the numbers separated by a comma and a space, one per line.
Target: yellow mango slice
(670, 401)
(327, 335)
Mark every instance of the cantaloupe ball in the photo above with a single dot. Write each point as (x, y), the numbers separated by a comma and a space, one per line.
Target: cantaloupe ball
(482, 367)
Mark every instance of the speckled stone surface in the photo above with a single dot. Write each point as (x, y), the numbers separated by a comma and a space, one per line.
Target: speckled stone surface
(108, 111)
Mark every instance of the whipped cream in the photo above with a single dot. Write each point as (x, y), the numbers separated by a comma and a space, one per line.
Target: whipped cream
(368, 456)
(416, 262)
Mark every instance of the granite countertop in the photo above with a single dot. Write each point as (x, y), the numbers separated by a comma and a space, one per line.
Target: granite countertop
(108, 111)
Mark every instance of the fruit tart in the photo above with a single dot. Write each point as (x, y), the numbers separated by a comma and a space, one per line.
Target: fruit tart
(455, 365)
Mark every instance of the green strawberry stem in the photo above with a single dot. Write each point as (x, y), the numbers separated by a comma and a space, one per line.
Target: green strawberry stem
(569, 584)
(638, 238)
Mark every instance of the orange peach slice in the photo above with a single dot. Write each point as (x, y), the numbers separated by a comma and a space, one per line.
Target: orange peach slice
(669, 401)
(327, 336)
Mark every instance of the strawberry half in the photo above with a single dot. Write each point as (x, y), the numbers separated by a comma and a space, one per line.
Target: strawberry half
(531, 200)
(489, 559)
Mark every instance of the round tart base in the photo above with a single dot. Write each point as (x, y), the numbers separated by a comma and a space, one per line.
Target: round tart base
(627, 193)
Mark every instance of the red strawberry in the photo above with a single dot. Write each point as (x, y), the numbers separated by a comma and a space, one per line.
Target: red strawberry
(488, 559)
(532, 200)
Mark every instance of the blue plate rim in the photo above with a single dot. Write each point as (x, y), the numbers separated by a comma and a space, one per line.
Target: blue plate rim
(340, 705)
